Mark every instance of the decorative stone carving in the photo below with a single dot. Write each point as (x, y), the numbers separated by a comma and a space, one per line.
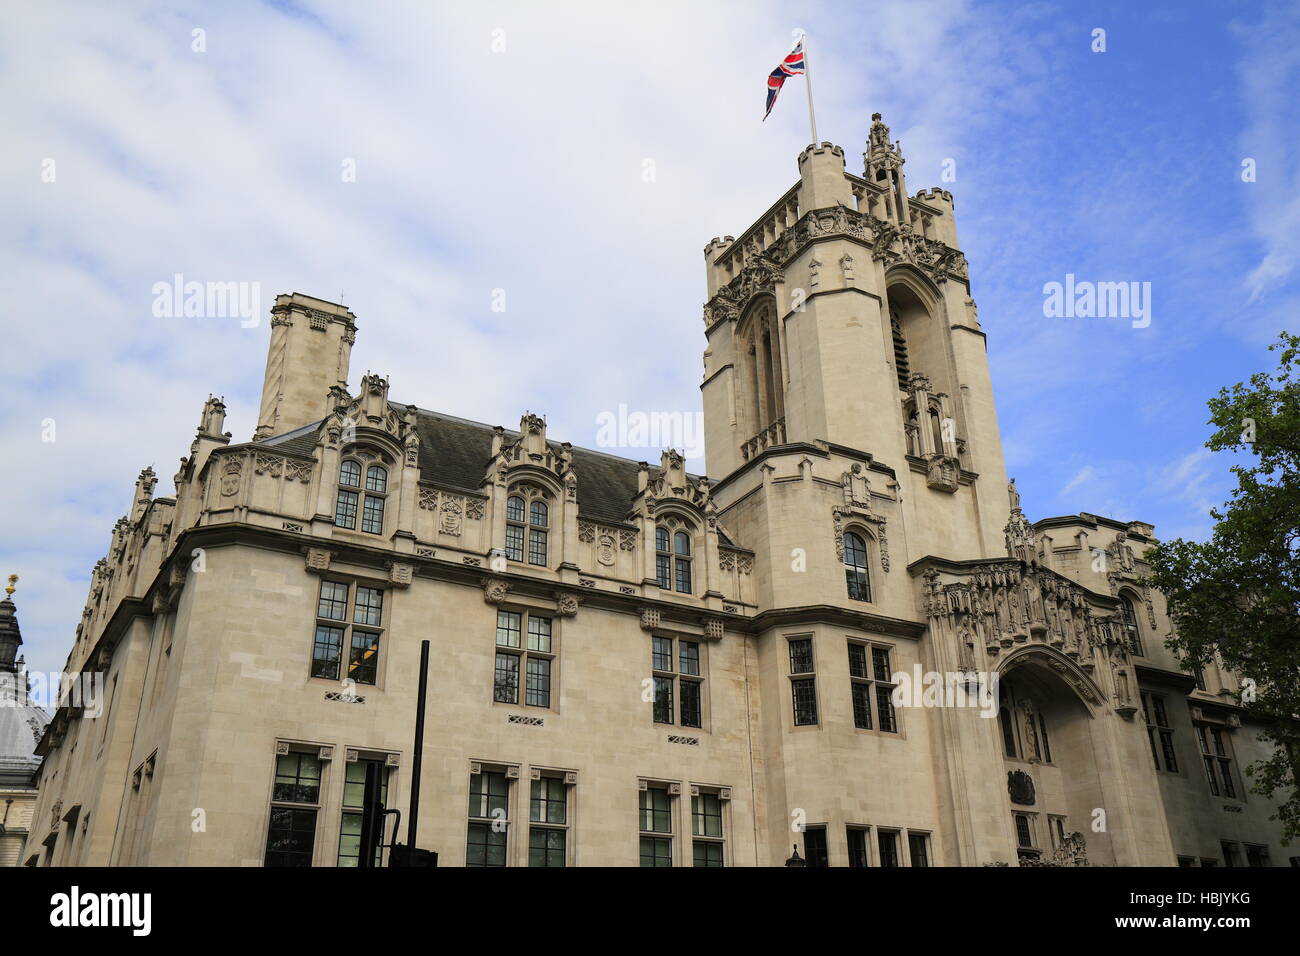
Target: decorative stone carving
(297, 470)
(428, 499)
(268, 465)
(495, 590)
(626, 539)
(318, 560)
(713, 628)
(449, 516)
(605, 552)
(649, 618)
(231, 472)
(943, 473)
(586, 532)
(566, 603)
(1020, 786)
(400, 574)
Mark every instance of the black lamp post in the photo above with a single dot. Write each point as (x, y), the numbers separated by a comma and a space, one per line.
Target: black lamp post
(796, 859)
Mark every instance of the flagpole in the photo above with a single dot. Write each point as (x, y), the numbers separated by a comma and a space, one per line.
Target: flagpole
(807, 78)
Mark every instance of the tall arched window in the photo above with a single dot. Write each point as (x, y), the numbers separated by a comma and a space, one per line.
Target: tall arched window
(856, 574)
(515, 528)
(1008, 732)
(663, 558)
(1131, 632)
(538, 522)
(682, 562)
(372, 513)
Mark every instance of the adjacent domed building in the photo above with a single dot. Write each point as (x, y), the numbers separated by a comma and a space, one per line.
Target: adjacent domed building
(21, 726)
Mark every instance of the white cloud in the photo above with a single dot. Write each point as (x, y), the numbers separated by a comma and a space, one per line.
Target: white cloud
(475, 171)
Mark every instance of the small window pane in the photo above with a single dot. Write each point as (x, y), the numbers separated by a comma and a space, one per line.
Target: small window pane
(333, 601)
(327, 651)
(297, 778)
(485, 846)
(801, 656)
(661, 653)
(350, 474)
(656, 815)
(707, 853)
(508, 628)
(691, 716)
(919, 848)
(706, 815)
(682, 542)
(514, 542)
(539, 634)
(377, 478)
(345, 510)
(804, 692)
(663, 571)
(487, 795)
(547, 803)
(364, 662)
(862, 706)
(370, 606)
(546, 847)
(857, 660)
(537, 547)
(656, 851)
(683, 583)
(514, 508)
(880, 658)
(539, 515)
(505, 680)
(689, 655)
(537, 692)
(661, 539)
(663, 704)
(888, 842)
(372, 516)
(291, 837)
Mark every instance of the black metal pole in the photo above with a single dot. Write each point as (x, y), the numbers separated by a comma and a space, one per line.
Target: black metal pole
(414, 815)
(372, 815)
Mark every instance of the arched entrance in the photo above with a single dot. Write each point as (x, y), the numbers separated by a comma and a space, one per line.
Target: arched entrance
(1046, 725)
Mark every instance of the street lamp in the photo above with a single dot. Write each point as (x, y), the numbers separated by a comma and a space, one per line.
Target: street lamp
(796, 859)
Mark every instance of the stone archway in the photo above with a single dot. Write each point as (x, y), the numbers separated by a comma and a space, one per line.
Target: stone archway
(1047, 730)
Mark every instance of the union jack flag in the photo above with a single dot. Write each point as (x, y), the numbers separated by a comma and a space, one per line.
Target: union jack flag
(792, 65)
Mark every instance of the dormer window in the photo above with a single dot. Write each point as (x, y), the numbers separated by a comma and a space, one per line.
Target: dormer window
(673, 557)
(530, 521)
(351, 500)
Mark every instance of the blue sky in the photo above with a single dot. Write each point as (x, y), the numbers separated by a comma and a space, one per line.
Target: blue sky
(521, 169)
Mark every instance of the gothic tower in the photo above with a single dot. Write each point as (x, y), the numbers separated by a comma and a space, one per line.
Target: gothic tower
(850, 425)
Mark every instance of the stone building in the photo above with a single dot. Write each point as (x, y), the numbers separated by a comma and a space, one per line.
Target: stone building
(21, 723)
(636, 665)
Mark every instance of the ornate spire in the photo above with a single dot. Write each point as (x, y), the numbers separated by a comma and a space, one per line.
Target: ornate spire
(10, 638)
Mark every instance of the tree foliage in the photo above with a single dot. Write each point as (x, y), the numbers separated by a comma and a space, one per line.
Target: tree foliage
(1237, 595)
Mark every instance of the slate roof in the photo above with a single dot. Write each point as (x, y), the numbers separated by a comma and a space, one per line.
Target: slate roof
(455, 452)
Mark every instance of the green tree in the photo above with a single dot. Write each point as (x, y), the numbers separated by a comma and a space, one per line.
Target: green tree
(1238, 594)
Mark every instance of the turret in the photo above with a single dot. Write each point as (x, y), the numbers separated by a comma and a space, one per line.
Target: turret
(310, 348)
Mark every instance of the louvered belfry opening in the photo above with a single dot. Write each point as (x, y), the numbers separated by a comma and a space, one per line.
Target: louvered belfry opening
(900, 351)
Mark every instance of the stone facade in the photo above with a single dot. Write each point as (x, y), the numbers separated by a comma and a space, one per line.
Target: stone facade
(631, 663)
